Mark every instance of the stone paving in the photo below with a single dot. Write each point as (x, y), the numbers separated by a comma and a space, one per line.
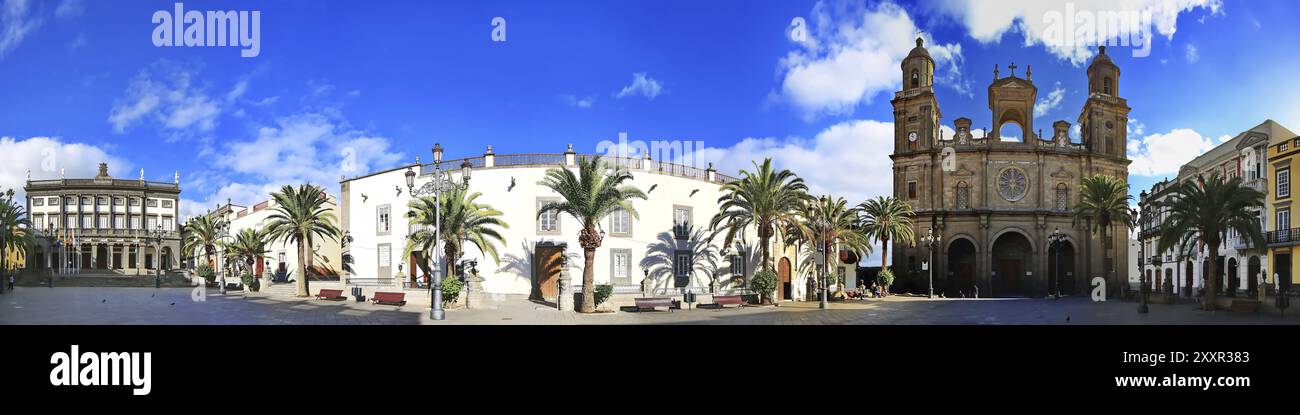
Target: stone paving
(101, 305)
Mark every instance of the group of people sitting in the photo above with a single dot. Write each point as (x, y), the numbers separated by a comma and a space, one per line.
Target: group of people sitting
(876, 291)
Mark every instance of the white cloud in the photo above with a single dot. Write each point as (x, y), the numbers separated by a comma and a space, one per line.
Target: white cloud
(69, 9)
(1192, 54)
(988, 21)
(573, 101)
(45, 157)
(641, 85)
(167, 95)
(1135, 127)
(854, 53)
(1163, 154)
(1049, 102)
(15, 24)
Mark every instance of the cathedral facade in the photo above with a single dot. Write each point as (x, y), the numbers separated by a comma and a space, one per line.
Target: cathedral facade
(993, 201)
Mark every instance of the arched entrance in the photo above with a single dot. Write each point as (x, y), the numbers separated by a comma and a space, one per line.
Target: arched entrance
(1252, 275)
(1061, 277)
(1187, 279)
(1233, 282)
(961, 268)
(1012, 257)
(1168, 282)
(783, 272)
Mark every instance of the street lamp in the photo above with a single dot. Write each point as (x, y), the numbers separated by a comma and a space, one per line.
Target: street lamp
(49, 236)
(1057, 242)
(223, 230)
(825, 252)
(441, 182)
(1142, 247)
(931, 241)
(156, 236)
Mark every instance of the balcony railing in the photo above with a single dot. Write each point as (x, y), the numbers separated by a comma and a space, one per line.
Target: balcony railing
(1283, 237)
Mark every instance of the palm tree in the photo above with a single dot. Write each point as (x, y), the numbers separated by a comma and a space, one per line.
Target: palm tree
(829, 225)
(463, 220)
(249, 246)
(1103, 203)
(300, 216)
(201, 233)
(1203, 211)
(765, 199)
(887, 218)
(16, 233)
(595, 192)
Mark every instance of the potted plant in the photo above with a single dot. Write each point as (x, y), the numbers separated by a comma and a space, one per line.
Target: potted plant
(209, 276)
(764, 284)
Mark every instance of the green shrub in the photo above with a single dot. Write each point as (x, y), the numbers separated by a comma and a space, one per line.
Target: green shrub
(763, 283)
(450, 290)
(206, 273)
(885, 278)
(247, 279)
(603, 292)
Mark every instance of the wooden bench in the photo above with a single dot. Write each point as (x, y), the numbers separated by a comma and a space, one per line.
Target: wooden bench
(651, 303)
(720, 301)
(327, 294)
(398, 299)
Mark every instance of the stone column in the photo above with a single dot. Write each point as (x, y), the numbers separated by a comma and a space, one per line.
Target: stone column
(473, 290)
(564, 298)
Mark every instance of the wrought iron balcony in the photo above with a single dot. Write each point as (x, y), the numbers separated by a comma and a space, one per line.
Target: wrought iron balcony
(1282, 237)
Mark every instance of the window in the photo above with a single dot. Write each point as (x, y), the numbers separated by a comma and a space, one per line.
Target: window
(135, 222)
(738, 264)
(620, 223)
(916, 79)
(87, 221)
(103, 221)
(134, 201)
(119, 222)
(911, 190)
(167, 223)
(117, 201)
(385, 255)
(1284, 183)
(54, 201)
(70, 201)
(620, 266)
(87, 201)
(963, 195)
(102, 201)
(383, 218)
(682, 222)
(39, 201)
(548, 223)
(167, 203)
(682, 268)
(1283, 219)
(54, 221)
(153, 222)
(38, 221)
(72, 221)
(151, 203)
(1062, 197)
(1105, 86)
(1281, 147)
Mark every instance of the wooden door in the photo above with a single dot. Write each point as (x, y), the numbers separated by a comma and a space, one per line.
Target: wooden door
(1009, 273)
(546, 271)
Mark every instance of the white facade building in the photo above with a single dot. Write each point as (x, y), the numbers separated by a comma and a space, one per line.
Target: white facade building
(374, 211)
(280, 253)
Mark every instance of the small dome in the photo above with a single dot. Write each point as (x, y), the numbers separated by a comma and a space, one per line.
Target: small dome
(919, 50)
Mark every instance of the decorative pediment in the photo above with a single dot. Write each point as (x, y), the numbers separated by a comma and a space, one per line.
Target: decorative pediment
(1251, 141)
(963, 171)
(1062, 173)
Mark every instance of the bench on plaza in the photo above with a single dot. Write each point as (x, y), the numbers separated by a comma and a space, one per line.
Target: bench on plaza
(386, 298)
(719, 301)
(328, 294)
(652, 303)
(234, 287)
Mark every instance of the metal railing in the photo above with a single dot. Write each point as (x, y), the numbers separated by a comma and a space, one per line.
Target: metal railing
(1285, 236)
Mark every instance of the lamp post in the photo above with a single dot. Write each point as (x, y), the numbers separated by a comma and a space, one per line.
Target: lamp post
(223, 230)
(825, 251)
(156, 236)
(931, 241)
(4, 259)
(441, 182)
(49, 263)
(1142, 247)
(1057, 241)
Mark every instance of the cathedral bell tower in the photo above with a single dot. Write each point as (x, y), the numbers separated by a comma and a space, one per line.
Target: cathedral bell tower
(916, 111)
(1104, 119)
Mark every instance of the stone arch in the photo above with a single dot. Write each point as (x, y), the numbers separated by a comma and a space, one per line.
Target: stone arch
(1013, 117)
(962, 257)
(1012, 255)
(1024, 233)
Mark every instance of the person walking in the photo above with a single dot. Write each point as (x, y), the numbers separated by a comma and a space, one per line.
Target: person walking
(11, 282)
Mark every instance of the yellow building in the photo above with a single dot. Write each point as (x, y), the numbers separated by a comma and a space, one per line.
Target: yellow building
(1281, 237)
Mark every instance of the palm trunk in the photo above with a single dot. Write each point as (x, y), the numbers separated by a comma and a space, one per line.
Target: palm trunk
(589, 281)
(1212, 280)
(302, 269)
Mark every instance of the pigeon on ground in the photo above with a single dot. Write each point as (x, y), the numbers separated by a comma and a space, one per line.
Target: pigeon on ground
(104, 300)
(153, 295)
(1067, 319)
(173, 304)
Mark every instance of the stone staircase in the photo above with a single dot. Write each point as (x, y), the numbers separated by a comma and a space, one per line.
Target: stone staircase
(282, 289)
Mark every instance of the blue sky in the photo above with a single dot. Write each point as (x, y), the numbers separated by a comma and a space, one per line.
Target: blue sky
(345, 88)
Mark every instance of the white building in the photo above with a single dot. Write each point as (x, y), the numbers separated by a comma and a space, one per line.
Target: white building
(1241, 264)
(374, 212)
(281, 254)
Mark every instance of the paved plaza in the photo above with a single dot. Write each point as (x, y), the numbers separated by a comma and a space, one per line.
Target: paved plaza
(102, 305)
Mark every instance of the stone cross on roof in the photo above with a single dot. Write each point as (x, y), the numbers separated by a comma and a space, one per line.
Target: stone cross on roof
(1013, 67)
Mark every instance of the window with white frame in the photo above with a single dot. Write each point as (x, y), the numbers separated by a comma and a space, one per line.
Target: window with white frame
(88, 221)
(738, 264)
(119, 222)
(620, 266)
(681, 221)
(38, 221)
(547, 223)
(54, 201)
(682, 267)
(1284, 182)
(620, 223)
(103, 222)
(72, 221)
(38, 201)
(384, 219)
(1283, 219)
